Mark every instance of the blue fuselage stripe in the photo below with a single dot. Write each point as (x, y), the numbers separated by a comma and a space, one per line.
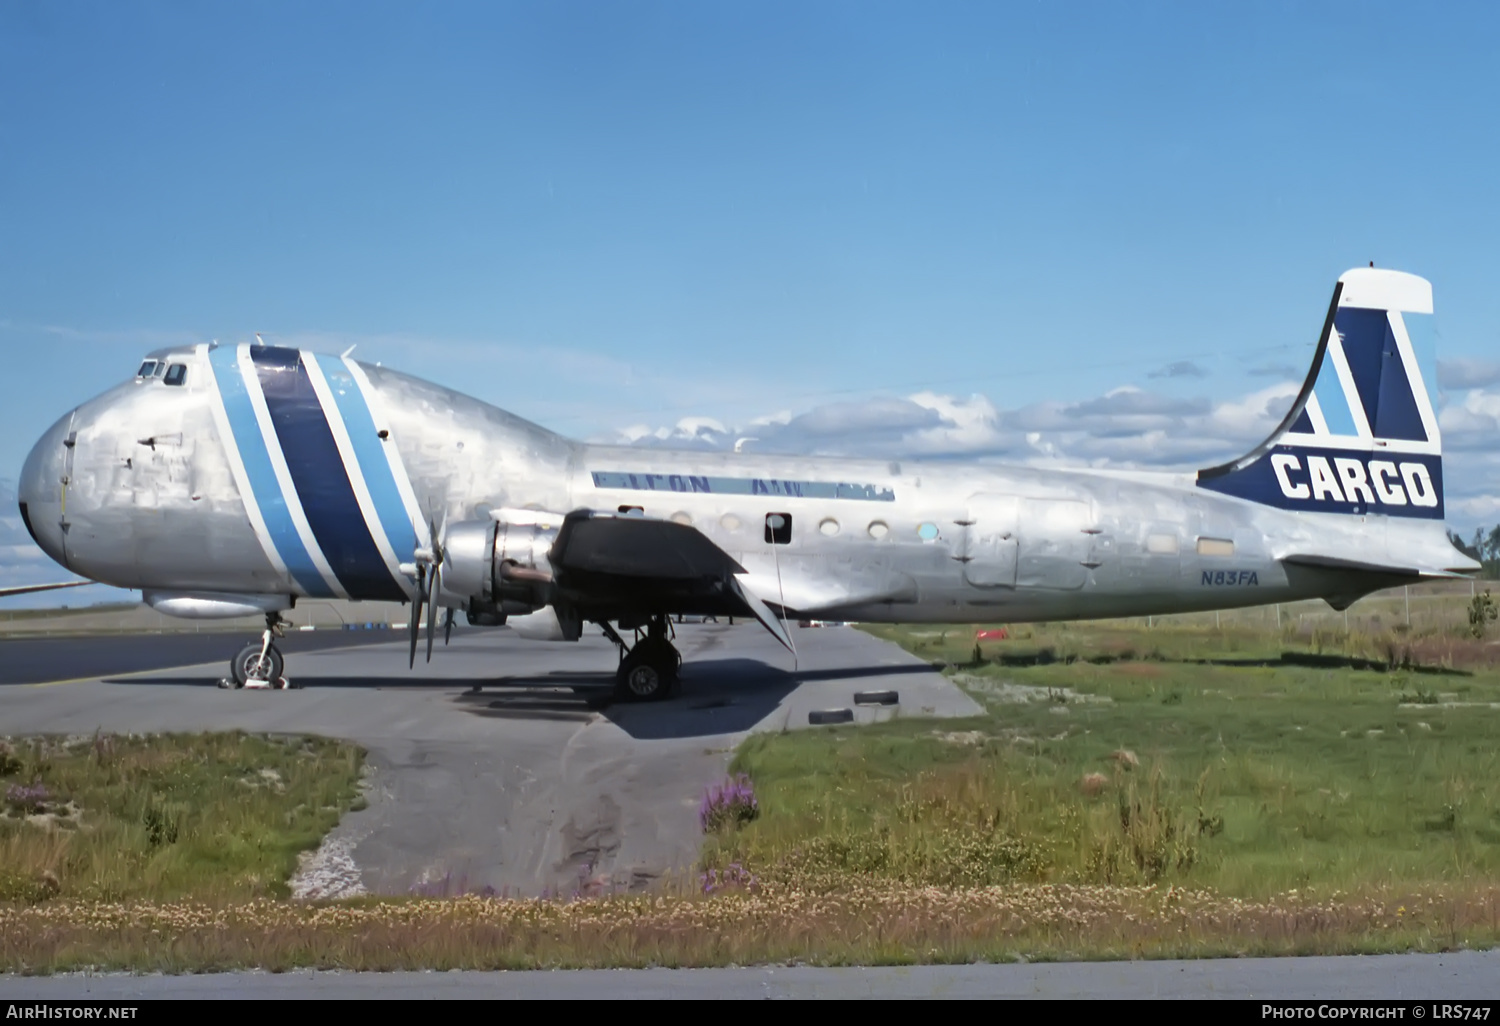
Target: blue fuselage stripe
(373, 465)
(257, 461)
(318, 473)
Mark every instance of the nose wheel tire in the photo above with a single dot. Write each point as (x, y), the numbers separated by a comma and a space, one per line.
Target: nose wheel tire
(249, 664)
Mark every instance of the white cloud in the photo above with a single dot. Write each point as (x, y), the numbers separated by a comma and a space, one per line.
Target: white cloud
(1465, 373)
(1480, 509)
(1472, 423)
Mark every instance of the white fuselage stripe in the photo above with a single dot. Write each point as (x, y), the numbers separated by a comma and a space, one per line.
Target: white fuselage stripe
(345, 445)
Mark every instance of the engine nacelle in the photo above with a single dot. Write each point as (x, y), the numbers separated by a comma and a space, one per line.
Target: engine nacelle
(498, 567)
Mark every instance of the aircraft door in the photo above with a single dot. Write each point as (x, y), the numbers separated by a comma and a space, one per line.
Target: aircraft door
(989, 545)
(1056, 544)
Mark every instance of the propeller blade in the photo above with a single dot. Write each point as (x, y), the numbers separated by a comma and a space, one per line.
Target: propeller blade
(416, 613)
(434, 591)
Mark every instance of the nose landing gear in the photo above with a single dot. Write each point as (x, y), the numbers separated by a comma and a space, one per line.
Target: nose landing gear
(648, 669)
(259, 665)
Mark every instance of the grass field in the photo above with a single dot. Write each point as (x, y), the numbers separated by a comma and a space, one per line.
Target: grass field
(217, 817)
(1245, 758)
(1262, 782)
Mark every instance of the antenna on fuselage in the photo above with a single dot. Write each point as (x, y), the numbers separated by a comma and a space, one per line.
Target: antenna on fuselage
(346, 352)
(739, 444)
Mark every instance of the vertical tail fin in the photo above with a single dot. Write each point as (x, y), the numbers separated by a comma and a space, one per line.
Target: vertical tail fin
(1362, 435)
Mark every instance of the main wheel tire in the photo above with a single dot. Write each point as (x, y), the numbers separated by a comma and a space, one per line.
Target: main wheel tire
(648, 673)
(248, 663)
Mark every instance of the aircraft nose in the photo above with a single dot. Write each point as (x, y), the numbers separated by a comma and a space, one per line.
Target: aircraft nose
(42, 490)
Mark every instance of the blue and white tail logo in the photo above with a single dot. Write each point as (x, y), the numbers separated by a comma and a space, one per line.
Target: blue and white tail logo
(1362, 435)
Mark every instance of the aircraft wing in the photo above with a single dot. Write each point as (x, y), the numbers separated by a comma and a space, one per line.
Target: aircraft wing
(617, 567)
(27, 589)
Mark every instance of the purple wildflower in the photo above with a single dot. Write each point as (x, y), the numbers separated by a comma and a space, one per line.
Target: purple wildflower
(729, 804)
(731, 876)
(27, 799)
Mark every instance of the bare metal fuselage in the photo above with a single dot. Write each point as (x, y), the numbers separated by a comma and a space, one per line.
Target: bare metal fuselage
(140, 488)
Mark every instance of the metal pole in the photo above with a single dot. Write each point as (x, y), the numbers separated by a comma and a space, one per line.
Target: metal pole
(1407, 590)
(1216, 619)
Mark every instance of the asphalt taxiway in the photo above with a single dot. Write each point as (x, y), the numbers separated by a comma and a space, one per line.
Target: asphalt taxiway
(504, 764)
(1449, 981)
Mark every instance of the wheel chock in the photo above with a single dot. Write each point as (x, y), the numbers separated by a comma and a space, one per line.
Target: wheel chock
(822, 716)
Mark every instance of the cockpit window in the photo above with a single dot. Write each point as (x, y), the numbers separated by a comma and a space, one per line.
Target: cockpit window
(161, 368)
(176, 374)
(147, 369)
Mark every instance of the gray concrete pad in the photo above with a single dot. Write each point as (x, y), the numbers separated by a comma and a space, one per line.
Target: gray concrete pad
(504, 764)
(1465, 976)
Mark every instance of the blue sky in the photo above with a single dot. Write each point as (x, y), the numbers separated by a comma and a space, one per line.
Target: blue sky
(933, 228)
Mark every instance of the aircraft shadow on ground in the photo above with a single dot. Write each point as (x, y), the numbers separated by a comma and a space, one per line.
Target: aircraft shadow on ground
(715, 696)
(730, 696)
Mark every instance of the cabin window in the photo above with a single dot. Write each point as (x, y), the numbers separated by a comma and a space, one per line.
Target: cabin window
(1162, 544)
(829, 527)
(176, 374)
(1215, 547)
(878, 529)
(632, 511)
(778, 528)
(681, 517)
(927, 532)
(147, 369)
(729, 522)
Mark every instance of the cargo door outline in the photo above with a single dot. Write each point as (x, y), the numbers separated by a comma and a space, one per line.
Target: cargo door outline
(1055, 544)
(990, 543)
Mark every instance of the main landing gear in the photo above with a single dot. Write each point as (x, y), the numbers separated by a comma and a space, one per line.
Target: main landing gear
(260, 664)
(648, 669)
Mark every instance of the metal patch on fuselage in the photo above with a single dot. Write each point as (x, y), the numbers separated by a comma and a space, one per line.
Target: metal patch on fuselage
(698, 483)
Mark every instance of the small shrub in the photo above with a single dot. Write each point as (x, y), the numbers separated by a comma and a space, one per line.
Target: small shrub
(162, 824)
(18, 888)
(1482, 613)
(103, 748)
(9, 763)
(728, 806)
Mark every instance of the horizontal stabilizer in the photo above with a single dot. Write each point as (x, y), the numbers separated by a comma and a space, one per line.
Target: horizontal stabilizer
(1335, 563)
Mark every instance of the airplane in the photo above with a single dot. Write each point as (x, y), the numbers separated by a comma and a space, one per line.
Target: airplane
(225, 480)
